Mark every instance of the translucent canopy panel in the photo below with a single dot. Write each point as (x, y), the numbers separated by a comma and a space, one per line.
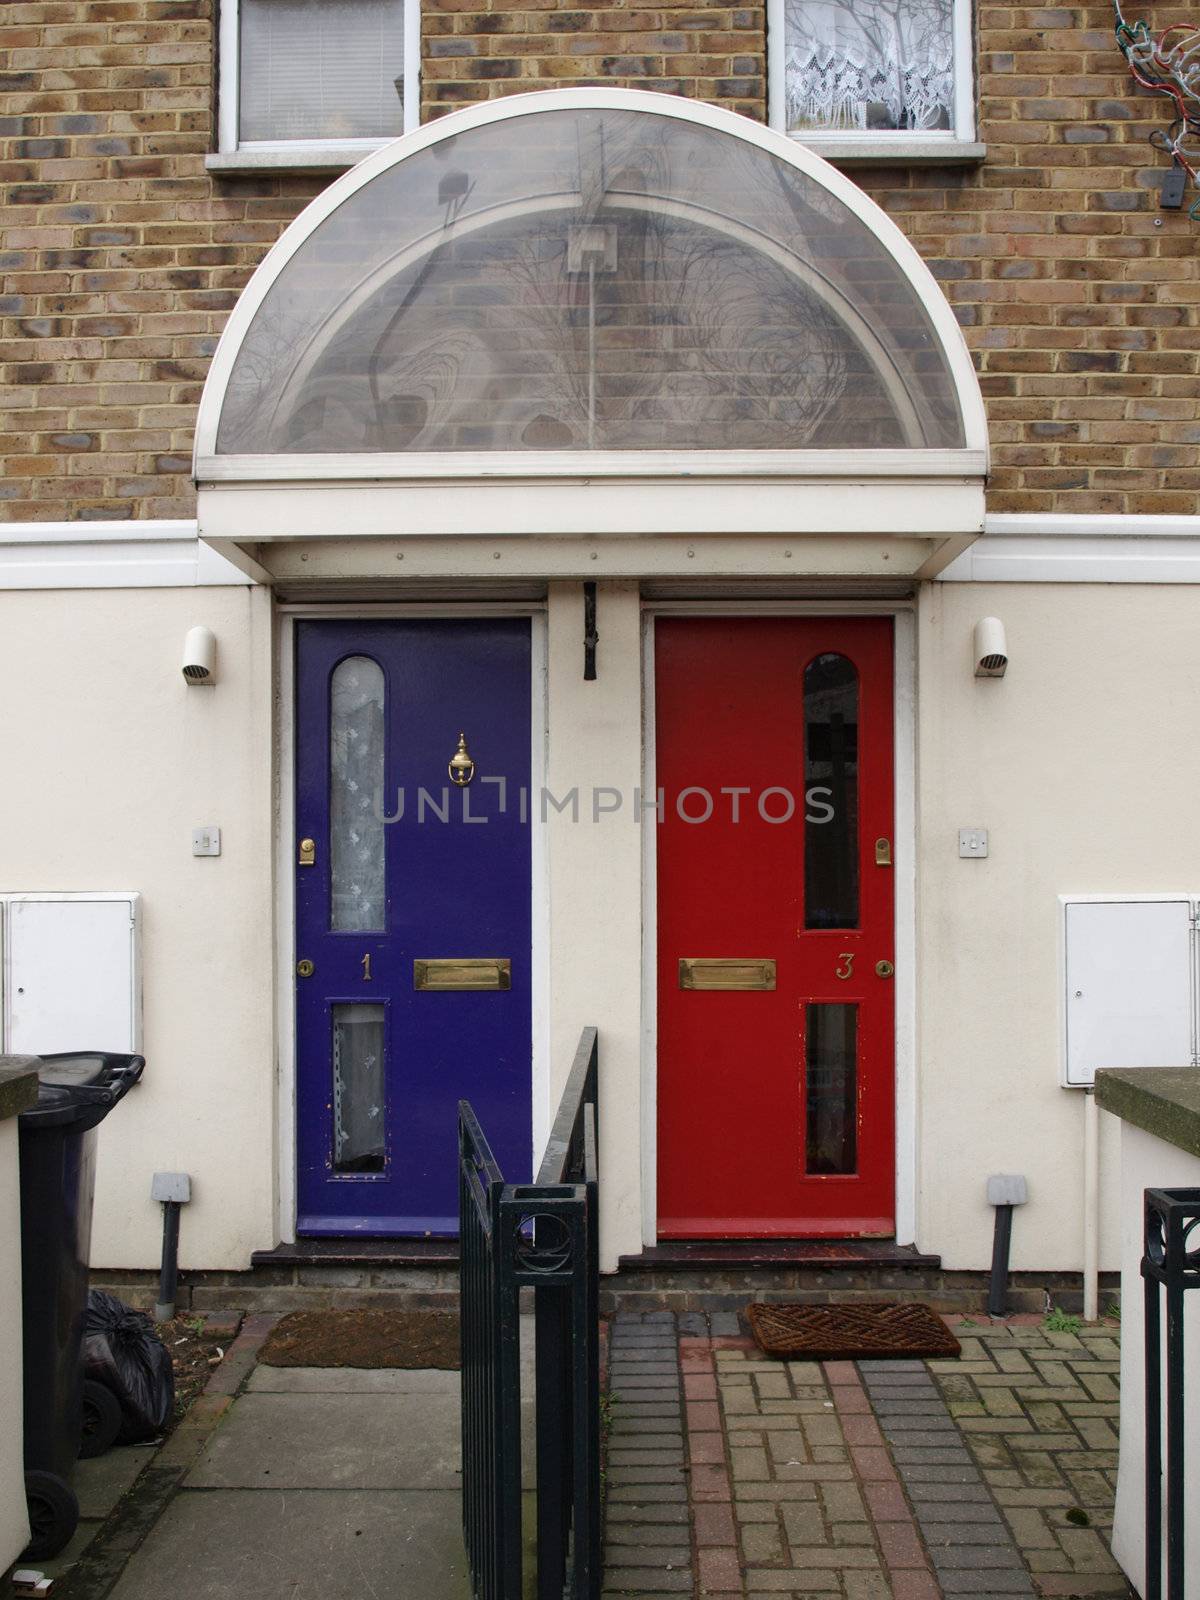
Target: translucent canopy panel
(590, 279)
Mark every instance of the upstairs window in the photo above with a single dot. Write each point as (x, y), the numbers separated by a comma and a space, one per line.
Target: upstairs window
(872, 72)
(306, 76)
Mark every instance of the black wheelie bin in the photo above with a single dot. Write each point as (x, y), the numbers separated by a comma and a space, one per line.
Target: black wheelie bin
(76, 1091)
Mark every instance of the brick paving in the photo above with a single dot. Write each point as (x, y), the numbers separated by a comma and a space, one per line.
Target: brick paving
(732, 1474)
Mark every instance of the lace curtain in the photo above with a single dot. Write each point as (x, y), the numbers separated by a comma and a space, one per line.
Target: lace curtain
(878, 64)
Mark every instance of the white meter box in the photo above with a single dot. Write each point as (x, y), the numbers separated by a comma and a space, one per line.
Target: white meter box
(1130, 981)
(71, 972)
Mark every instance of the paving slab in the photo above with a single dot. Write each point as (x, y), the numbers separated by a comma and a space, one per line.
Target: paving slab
(55, 1566)
(334, 1441)
(302, 1545)
(101, 1481)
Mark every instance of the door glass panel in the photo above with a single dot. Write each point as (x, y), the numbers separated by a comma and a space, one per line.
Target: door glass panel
(358, 1089)
(831, 793)
(356, 752)
(831, 1089)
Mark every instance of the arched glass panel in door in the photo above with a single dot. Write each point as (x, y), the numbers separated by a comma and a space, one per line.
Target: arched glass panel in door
(356, 769)
(831, 885)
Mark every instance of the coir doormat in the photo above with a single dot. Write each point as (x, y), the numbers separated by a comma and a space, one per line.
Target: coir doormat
(363, 1339)
(847, 1332)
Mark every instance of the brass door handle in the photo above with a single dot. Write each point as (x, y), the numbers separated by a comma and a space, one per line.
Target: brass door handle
(308, 853)
(884, 969)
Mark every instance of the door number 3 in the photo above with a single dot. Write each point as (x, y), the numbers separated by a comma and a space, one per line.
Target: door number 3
(845, 965)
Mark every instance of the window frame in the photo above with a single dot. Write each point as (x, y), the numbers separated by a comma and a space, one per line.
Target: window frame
(872, 144)
(264, 153)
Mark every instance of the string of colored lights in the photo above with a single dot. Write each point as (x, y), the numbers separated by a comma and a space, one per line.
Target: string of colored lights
(1170, 65)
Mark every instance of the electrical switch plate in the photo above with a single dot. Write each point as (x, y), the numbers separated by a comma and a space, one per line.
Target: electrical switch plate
(206, 841)
(972, 842)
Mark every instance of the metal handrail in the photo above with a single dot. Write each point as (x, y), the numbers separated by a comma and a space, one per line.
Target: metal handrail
(561, 1162)
(543, 1236)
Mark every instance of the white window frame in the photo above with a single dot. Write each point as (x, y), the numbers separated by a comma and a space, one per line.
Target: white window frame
(234, 153)
(957, 143)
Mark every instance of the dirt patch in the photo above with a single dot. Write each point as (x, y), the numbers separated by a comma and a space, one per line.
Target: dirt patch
(363, 1339)
(194, 1353)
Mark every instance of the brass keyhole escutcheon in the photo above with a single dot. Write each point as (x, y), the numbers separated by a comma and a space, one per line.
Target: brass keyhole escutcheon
(305, 968)
(884, 969)
(845, 966)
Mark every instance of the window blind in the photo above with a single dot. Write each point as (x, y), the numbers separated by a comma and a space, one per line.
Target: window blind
(321, 69)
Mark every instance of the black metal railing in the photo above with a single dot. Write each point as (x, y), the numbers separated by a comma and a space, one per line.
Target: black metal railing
(1170, 1260)
(542, 1236)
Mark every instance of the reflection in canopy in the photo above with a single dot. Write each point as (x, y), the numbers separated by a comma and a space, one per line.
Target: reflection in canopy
(589, 279)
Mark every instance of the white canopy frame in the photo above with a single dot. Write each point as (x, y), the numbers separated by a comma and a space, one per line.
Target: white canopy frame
(208, 466)
(793, 486)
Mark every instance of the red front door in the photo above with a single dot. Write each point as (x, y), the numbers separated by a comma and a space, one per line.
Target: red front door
(775, 927)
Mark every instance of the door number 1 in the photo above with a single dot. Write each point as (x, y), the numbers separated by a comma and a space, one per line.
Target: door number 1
(366, 966)
(846, 965)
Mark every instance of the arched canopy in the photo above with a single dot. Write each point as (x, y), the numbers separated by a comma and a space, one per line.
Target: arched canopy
(597, 275)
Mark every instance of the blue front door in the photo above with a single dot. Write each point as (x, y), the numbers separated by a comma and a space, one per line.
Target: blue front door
(412, 914)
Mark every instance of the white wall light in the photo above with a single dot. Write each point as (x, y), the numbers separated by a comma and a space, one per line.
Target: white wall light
(200, 657)
(990, 648)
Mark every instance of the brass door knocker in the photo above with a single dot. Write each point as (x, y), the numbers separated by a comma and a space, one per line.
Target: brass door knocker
(462, 768)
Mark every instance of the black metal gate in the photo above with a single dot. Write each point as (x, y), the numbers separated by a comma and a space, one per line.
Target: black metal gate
(1170, 1263)
(542, 1236)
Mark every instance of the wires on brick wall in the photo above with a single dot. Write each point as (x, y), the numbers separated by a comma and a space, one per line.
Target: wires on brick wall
(1169, 63)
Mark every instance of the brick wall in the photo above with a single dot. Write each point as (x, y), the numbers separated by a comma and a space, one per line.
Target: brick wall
(1077, 295)
(709, 51)
(121, 257)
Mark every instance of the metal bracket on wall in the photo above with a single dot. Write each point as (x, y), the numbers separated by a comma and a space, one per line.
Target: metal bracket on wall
(590, 637)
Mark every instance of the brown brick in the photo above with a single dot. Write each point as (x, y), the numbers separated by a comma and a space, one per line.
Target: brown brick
(122, 257)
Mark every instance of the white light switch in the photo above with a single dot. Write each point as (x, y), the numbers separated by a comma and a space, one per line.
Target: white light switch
(972, 842)
(206, 841)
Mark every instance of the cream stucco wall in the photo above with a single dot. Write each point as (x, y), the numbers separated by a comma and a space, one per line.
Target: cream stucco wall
(595, 927)
(111, 762)
(1084, 764)
(14, 1525)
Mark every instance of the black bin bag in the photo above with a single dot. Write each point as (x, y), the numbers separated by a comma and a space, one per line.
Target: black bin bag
(122, 1351)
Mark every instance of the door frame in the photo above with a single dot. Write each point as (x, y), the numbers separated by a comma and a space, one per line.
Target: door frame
(904, 645)
(284, 807)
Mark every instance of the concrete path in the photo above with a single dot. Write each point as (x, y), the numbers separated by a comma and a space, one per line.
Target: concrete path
(319, 1484)
(734, 1475)
(299, 1483)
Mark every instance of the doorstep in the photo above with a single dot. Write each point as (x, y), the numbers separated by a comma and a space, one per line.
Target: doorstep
(352, 1252)
(705, 1254)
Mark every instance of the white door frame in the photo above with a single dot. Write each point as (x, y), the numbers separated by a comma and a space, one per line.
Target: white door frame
(284, 779)
(904, 852)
